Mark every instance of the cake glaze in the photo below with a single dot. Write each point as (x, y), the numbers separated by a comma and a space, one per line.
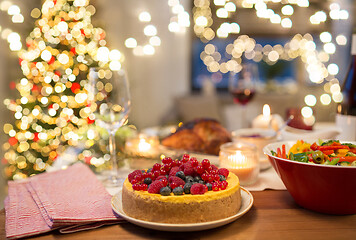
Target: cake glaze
(212, 205)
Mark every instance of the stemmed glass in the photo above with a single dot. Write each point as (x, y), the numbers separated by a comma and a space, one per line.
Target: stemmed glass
(109, 93)
(242, 86)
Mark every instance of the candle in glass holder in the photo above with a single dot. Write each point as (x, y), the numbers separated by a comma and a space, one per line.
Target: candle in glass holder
(143, 146)
(241, 159)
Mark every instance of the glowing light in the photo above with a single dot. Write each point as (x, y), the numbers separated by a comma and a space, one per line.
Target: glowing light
(13, 37)
(222, 13)
(325, 99)
(144, 17)
(115, 65)
(276, 19)
(201, 21)
(150, 30)
(155, 41)
(18, 18)
(273, 56)
(341, 40)
(287, 10)
(309, 120)
(333, 69)
(230, 7)
(286, 23)
(325, 37)
(130, 43)
(310, 100)
(307, 112)
(219, 2)
(103, 54)
(235, 28)
(63, 27)
(148, 50)
(330, 48)
(63, 58)
(173, 27)
(337, 97)
(13, 10)
(115, 54)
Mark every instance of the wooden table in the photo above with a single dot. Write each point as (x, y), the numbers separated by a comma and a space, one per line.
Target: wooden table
(274, 215)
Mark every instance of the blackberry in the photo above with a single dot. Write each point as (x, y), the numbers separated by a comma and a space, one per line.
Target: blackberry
(181, 175)
(178, 191)
(189, 179)
(147, 181)
(165, 191)
(210, 186)
(222, 178)
(187, 187)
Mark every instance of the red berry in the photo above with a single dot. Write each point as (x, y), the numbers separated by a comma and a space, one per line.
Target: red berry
(136, 187)
(173, 171)
(167, 167)
(175, 163)
(214, 172)
(205, 176)
(194, 162)
(161, 177)
(133, 174)
(215, 186)
(205, 163)
(167, 160)
(163, 172)
(214, 167)
(173, 185)
(200, 169)
(165, 181)
(146, 175)
(198, 188)
(143, 187)
(188, 169)
(216, 177)
(224, 172)
(185, 158)
(138, 177)
(223, 185)
(155, 186)
(177, 180)
(209, 169)
(157, 173)
(156, 166)
(151, 175)
(210, 178)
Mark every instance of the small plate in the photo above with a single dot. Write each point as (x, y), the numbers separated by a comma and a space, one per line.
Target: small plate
(246, 204)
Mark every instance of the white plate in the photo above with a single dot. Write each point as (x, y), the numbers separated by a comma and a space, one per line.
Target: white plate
(246, 204)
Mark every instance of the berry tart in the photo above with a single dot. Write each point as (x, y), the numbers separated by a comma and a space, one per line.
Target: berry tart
(181, 191)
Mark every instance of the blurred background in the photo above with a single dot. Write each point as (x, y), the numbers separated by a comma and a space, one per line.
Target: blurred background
(180, 54)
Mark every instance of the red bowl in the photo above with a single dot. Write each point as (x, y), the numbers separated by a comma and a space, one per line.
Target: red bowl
(321, 188)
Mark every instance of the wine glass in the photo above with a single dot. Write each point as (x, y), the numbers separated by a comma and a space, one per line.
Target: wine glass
(242, 86)
(109, 93)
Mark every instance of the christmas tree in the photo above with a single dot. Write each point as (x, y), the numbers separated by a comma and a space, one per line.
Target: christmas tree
(52, 111)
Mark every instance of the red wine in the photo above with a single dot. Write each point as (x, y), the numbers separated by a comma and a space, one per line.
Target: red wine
(242, 96)
(346, 110)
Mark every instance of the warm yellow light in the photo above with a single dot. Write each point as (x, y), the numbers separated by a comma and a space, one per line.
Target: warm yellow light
(155, 41)
(307, 112)
(130, 43)
(13, 10)
(286, 23)
(150, 30)
(333, 68)
(310, 100)
(287, 10)
(201, 21)
(325, 37)
(148, 50)
(341, 40)
(144, 17)
(325, 99)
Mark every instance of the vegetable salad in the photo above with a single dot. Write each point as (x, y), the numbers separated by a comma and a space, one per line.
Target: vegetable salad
(330, 152)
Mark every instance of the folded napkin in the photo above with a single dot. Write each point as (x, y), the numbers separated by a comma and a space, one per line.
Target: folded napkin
(267, 179)
(71, 199)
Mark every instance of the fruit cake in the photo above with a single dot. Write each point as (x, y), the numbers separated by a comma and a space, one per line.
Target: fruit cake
(181, 191)
(200, 135)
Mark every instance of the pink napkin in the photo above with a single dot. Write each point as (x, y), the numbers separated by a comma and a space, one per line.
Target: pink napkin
(71, 199)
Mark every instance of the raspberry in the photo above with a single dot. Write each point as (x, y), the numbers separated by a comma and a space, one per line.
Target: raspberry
(133, 174)
(165, 181)
(224, 172)
(198, 188)
(176, 180)
(163, 172)
(173, 171)
(155, 186)
(161, 177)
(188, 169)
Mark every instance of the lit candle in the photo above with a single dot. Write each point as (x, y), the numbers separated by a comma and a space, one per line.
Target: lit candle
(263, 120)
(242, 160)
(142, 146)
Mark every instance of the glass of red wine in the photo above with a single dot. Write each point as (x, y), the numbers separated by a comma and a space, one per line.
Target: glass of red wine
(242, 86)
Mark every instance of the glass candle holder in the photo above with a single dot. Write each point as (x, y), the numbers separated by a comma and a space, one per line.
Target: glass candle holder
(142, 146)
(241, 159)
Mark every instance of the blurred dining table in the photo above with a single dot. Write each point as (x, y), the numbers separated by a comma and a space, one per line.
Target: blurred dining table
(274, 215)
